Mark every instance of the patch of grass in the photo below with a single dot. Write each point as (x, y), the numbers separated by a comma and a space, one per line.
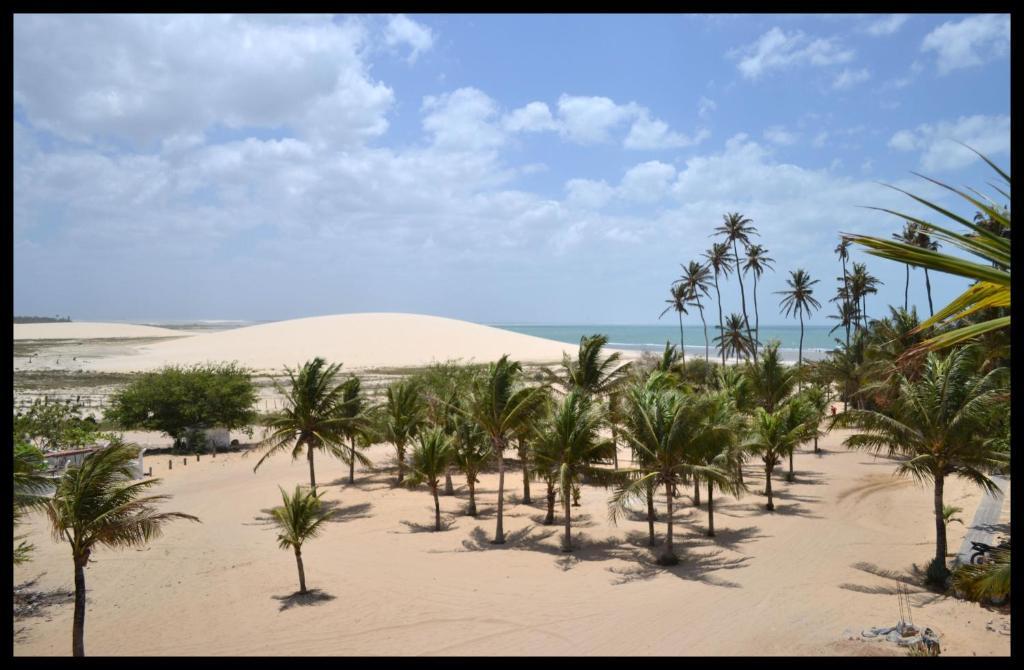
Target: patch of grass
(45, 380)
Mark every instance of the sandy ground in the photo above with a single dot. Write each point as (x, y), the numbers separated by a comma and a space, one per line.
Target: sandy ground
(827, 561)
(87, 331)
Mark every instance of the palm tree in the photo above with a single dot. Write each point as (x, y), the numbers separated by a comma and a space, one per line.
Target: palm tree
(30, 487)
(572, 448)
(590, 373)
(719, 259)
(430, 460)
(907, 236)
(736, 228)
(757, 262)
(769, 382)
(718, 449)
(98, 503)
(774, 435)
(500, 405)
(357, 427)
(862, 283)
(678, 302)
(941, 423)
(846, 314)
(816, 397)
(472, 451)
(697, 279)
(401, 418)
(799, 299)
(732, 340)
(311, 418)
(299, 518)
(666, 428)
(924, 241)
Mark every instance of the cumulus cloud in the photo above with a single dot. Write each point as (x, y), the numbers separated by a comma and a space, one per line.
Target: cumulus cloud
(532, 117)
(588, 119)
(776, 50)
(989, 135)
(588, 193)
(651, 133)
(403, 30)
(463, 119)
(970, 42)
(886, 26)
(647, 182)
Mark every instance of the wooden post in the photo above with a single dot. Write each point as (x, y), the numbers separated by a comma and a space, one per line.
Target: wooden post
(184, 461)
(197, 458)
(170, 464)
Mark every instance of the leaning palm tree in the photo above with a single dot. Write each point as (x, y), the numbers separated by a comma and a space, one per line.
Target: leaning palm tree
(666, 427)
(311, 417)
(680, 298)
(472, 451)
(942, 423)
(500, 405)
(756, 263)
(719, 260)
(400, 419)
(98, 503)
(732, 341)
(697, 279)
(299, 518)
(573, 448)
(799, 299)
(430, 460)
(736, 228)
(908, 235)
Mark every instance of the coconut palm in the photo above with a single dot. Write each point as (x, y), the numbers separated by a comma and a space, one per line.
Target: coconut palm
(472, 452)
(774, 435)
(30, 487)
(862, 283)
(756, 263)
(572, 447)
(430, 459)
(697, 279)
(924, 241)
(300, 518)
(907, 236)
(311, 418)
(942, 423)
(401, 418)
(500, 405)
(799, 299)
(736, 228)
(590, 373)
(732, 340)
(769, 382)
(666, 428)
(846, 314)
(718, 450)
(680, 298)
(98, 503)
(357, 427)
(719, 260)
(816, 397)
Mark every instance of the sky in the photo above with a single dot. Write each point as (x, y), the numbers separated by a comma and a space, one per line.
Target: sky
(495, 168)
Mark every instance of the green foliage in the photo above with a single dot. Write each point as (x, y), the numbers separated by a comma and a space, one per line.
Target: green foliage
(431, 456)
(401, 418)
(590, 373)
(988, 581)
(56, 426)
(175, 400)
(300, 518)
(30, 485)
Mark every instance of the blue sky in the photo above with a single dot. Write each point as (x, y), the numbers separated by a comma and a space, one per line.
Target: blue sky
(497, 168)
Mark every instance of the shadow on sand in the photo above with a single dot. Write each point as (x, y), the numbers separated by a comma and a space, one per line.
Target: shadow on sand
(310, 597)
(913, 579)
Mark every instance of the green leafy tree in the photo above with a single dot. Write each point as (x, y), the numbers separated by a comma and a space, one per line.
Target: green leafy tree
(401, 418)
(300, 518)
(98, 503)
(56, 426)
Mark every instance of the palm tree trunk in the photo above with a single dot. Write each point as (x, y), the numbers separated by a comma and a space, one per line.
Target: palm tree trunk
(470, 480)
(567, 540)
(743, 293)
(449, 488)
(928, 286)
(906, 291)
(650, 515)
(352, 463)
(711, 511)
(707, 345)
(696, 492)
(499, 532)
(312, 472)
(800, 356)
(682, 342)
(550, 518)
(721, 329)
(668, 557)
(615, 447)
(768, 488)
(940, 523)
(401, 462)
(437, 509)
(524, 459)
(739, 472)
(789, 477)
(302, 572)
(78, 620)
(757, 320)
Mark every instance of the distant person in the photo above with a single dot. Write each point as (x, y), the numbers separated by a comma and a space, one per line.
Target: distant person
(833, 410)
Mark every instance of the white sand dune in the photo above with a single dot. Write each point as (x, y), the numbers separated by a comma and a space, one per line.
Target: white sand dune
(356, 340)
(88, 331)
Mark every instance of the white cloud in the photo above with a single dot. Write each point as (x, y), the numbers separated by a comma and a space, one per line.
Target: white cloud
(849, 78)
(647, 182)
(776, 49)
(532, 117)
(588, 194)
(705, 106)
(887, 25)
(820, 139)
(779, 135)
(969, 42)
(403, 30)
(462, 120)
(588, 120)
(649, 133)
(989, 135)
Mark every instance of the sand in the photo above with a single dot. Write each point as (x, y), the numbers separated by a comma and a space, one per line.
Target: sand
(88, 331)
(828, 560)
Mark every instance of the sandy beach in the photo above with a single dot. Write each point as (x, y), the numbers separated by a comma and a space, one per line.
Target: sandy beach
(827, 561)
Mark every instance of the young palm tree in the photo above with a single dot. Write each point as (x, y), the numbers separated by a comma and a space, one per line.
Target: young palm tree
(98, 503)
(719, 260)
(907, 236)
(401, 418)
(816, 397)
(472, 451)
(500, 405)
(430, 460)
(300, 518)
(736, 228)
(732, 340)
(358, 425)
(666, 427)
(571, 446)
(30, 487)
(697, 279)
(718, 449)
(799, 299)
(678, 302)
(769, 382)
(773, 435)
(756, 263)
(941, 422)
(312, 417)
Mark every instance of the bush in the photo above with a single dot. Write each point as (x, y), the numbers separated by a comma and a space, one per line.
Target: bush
(937, 573)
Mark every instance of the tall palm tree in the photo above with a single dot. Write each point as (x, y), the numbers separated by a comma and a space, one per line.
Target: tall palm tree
(697, 279)
(678, 302)
(401, 418)
(942, 423)
(719, 260)
(311, 417)
(907, 236)
(847, 313)
(756, 263)
(732, 341)
(472, 451)
(299, 518)
(500, 405)
(862, 284)
(736, 228)
(430, 460)
(923, 240)
(799, 299)
(574, 447)
(98, 503)
(666, 427)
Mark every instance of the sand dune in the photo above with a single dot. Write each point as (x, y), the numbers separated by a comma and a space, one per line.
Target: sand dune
(357, 340)
(88, 331)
